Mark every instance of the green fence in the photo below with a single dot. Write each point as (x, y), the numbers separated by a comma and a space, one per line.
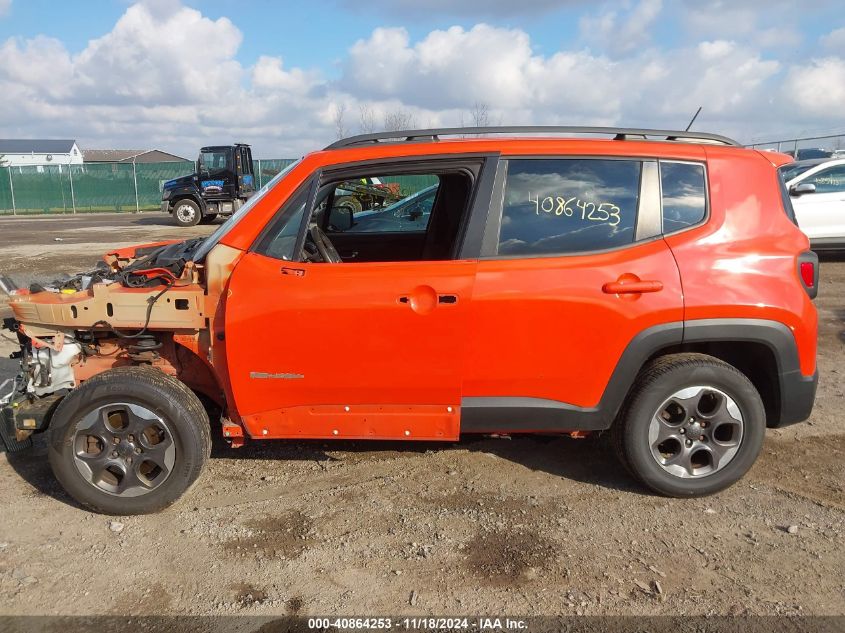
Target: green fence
(99, 187)
(266, 168)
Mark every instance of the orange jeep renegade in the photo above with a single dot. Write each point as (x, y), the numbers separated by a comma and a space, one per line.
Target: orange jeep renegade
(648, 283)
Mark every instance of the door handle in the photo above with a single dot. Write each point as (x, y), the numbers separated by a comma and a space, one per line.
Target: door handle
(296, 272)
(425, 299)
(447, 299)
(631, 287)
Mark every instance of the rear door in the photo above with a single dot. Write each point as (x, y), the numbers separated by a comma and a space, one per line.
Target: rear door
(573, 269)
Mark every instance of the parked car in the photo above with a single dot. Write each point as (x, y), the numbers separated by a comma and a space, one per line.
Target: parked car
(808, 153)
(409, 214)
(817, 192)
(652, 285)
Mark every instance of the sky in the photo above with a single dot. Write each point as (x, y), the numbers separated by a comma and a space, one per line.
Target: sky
(290, 77)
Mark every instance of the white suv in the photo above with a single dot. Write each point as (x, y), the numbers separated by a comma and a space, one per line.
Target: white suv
(817, 189)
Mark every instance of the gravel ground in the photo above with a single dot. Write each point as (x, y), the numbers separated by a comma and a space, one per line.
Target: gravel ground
(522, 526)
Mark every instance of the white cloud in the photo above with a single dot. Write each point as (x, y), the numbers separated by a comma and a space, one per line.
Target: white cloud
(473, 8)
(725, 17)
(779, 38)
(167, 76)
(452, 69)
(818, 88)
(621, 33)
(768, 24)
(269, 75)
(835, 40)
(155, 55)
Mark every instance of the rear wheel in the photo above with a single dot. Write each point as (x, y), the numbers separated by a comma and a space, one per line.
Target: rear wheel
(692, 426)
(131, 440)
(186, 212)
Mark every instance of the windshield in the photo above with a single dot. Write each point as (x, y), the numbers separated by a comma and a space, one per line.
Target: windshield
(213, 161)
(793, 170)
(227, 226)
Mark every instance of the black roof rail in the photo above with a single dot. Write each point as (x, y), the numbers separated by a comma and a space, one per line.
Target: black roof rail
(618, 133)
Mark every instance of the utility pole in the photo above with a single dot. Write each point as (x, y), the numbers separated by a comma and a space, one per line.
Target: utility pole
(72, 195)
(135, 180)
(12, 188)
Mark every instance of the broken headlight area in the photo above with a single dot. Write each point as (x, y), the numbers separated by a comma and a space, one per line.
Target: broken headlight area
(46, 365)
(45, 376)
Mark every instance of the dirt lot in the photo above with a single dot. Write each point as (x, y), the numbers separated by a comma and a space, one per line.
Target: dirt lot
(517, 526)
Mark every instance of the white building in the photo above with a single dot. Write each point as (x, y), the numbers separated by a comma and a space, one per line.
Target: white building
(23, 152)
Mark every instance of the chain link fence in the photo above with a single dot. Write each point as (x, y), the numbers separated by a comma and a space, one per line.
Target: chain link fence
(99, 187)
(808, 146)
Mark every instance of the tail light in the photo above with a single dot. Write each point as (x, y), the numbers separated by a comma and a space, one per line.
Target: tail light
(808, 272)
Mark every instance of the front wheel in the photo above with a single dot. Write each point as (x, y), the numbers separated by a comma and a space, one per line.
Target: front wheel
(131, 440)
(186, 212)
(693, 425)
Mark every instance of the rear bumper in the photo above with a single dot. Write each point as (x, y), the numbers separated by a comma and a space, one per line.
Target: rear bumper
(797, 395)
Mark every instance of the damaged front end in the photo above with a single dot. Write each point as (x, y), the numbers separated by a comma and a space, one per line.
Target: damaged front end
(28, 399)
(143, 305)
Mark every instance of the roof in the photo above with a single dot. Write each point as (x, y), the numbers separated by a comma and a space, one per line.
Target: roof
(35, 146)
(128, 155)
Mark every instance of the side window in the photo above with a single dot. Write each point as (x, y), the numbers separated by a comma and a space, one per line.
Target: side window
(831, 180)
(684, 195)
(280, 240)
(383, 204)
(560, 206)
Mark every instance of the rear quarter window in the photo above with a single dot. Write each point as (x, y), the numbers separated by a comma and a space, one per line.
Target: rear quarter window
(684, 195)
(787, 201)
(561, 206)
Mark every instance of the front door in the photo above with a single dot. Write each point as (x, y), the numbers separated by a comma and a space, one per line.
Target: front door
(347, 350)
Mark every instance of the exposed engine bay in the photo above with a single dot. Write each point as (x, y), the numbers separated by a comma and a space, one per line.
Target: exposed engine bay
(140, 305)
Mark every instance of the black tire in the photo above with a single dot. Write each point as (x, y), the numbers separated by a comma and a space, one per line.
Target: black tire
(656, 384)
(153, 392)
(208, 218)
(349, 202)
(186, 212)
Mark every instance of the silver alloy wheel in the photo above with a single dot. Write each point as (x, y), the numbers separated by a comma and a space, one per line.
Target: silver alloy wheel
(186, 213)
(696, 432)
(124, 449)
